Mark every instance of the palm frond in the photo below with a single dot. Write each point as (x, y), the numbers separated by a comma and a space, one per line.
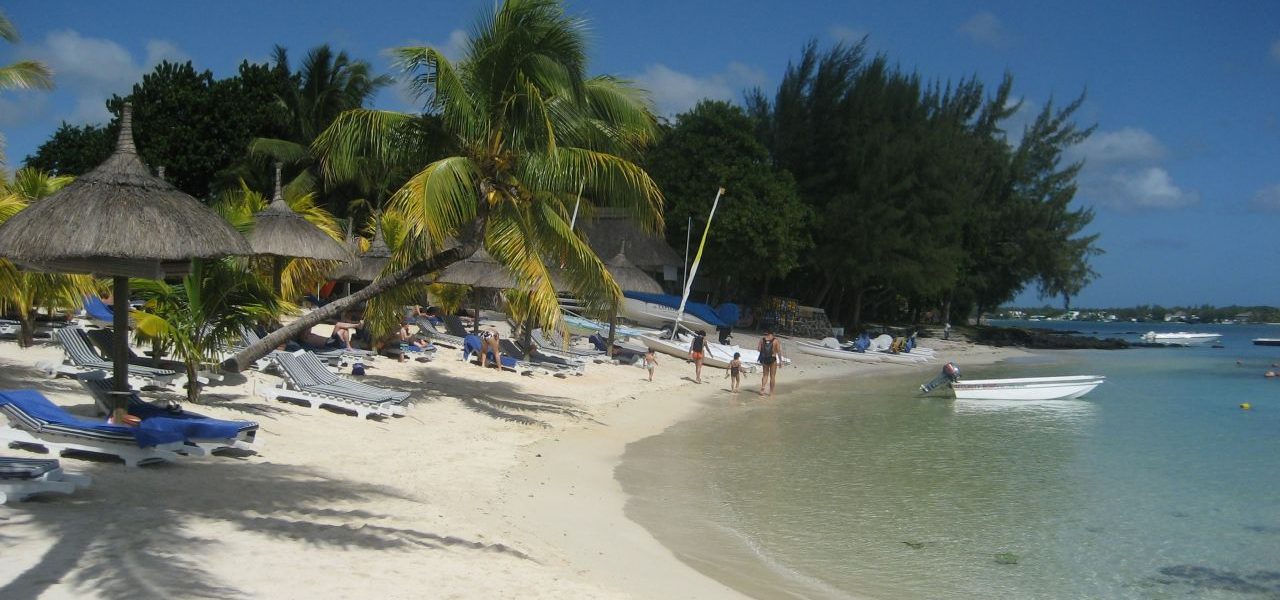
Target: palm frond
(26, 75)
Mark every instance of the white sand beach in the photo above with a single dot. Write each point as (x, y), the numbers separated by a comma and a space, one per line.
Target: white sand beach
(494, 485)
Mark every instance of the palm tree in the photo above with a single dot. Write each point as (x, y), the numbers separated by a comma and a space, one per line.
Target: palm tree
(24, 292)
(528, 127)
(204, 313)
(325, 85)
(21, 75)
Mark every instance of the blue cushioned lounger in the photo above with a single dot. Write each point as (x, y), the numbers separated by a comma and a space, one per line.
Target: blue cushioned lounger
(33, 419)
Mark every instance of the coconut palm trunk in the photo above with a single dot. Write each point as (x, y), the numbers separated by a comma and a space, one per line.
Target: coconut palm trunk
(273, 340)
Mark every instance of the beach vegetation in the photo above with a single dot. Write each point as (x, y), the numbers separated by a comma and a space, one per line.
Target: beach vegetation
(761, 226)
(529, 128)
(922, 199)
(202, 314)
(22, 292)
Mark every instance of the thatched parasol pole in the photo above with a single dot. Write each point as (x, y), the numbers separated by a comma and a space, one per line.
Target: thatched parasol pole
(120, 349)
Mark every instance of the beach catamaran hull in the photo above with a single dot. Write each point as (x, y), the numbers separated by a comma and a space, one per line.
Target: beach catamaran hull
(717, 355)
(824, 351)
(652, 314)
(1027, 388)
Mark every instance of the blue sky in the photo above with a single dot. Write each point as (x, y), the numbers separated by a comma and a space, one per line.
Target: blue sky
(1182, 170)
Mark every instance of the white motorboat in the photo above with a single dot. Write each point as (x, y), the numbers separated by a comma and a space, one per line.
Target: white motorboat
(818, 349)
(1180, 338)
(1027, 388)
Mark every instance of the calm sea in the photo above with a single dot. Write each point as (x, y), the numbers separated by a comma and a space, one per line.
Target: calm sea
(1155, 485)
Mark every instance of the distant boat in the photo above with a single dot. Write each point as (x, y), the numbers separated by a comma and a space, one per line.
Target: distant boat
(1266, 341)
(1027, 388)
(1181, 338)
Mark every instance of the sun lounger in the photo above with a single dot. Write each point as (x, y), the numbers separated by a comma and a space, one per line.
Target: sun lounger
(9, 329)
(332, 355)
(210, 434)
(32, 419)
(554, 345)
(23, 477)
(308, 380)
(454, 327)
(538, 360)
(97, 312)
(433, 333)
(82, 359)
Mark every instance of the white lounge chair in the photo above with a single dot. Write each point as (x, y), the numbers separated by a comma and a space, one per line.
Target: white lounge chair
(33, 420)
(21, 478)
(82, 359)
(306, 380)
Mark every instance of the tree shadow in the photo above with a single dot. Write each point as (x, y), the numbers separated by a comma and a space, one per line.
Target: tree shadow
(503, 400)
(129, 536)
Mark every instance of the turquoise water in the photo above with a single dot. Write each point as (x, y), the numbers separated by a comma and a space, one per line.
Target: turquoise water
(1155, 485)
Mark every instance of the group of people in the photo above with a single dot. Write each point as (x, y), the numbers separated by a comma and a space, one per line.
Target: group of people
(769, 348)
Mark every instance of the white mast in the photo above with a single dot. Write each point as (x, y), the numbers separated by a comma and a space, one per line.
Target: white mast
(693, 270)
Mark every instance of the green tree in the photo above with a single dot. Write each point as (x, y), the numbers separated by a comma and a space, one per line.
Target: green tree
(761, 226)
(202, 314)
(529, 127)
(74, 150)
(21, 75)
(325, 85)
(23, 292)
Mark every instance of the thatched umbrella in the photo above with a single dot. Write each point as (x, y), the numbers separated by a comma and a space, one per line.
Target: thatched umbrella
(482, 270)
(628, 277)
(283, 234)
(368, 265)
(119, 221)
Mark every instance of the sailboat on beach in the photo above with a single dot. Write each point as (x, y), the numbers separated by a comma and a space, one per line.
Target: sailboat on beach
(676, 342)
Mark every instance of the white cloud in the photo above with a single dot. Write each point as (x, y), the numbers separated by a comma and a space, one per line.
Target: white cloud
(849, 35)
(1126, 145)
(674, 92)
(1275, 50)
(94, 68)
(20, 107)
(984, 28)
(1267, 200)
(1145, 189)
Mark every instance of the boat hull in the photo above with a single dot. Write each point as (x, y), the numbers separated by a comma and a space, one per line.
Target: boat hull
(1027, 388)
(1180, 338)
(819, 350)
(650, 314)
(717, 355)
(1266, 342)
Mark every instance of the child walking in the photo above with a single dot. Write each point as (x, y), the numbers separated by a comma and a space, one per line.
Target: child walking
(650, 361)
(735, 372)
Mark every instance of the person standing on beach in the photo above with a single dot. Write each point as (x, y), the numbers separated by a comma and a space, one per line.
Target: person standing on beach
(735, 372)
(650, 361)
(696, 349)
(490, 341)
(770, 355)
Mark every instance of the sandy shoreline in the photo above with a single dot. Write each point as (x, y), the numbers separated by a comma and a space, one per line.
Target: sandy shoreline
(493, 486)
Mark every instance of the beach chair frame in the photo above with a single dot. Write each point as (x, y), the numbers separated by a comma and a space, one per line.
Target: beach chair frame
(21, 478)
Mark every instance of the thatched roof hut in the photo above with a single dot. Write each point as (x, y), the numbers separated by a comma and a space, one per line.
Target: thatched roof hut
(118, 219)
(479, 270)
(281, 232)
(630, 277)
(368, 265)
(612, 227)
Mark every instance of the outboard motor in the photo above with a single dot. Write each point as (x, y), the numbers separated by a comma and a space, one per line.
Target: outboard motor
(950, 374)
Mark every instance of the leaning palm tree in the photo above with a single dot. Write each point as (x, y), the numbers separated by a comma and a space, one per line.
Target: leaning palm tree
(204, 313)
(528, 127)
(21, 75)
(25, 292)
